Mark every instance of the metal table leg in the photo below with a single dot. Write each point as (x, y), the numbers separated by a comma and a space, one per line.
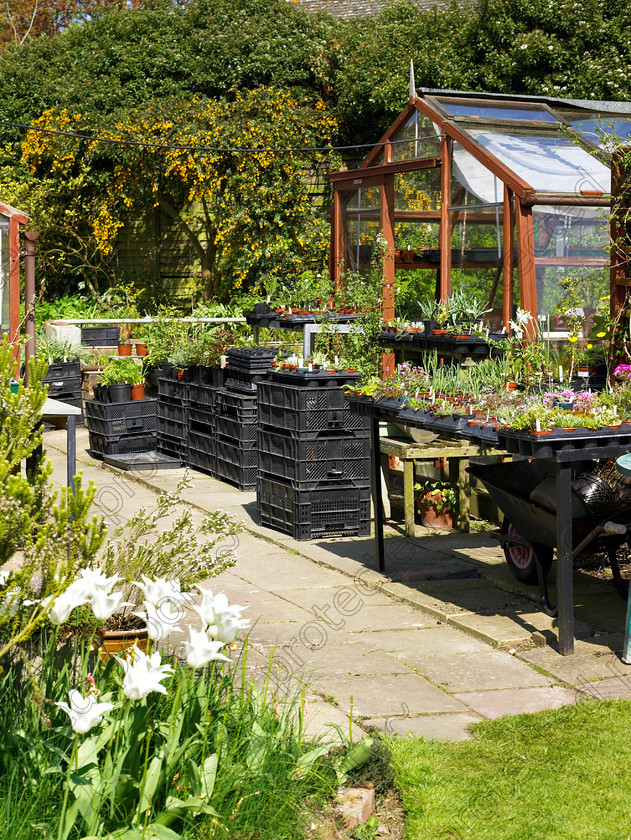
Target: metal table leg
(377, 494)
(71, 451)
(565, 587)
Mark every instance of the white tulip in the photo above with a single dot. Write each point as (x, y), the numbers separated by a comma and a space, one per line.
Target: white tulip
(214, 606)
(161, 620)
(158, 591)
(143, 674)
(226, 627)
(104, 606)
(84, 712)
(201, 650)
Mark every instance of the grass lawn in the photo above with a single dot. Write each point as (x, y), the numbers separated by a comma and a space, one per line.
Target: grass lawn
(557, 775)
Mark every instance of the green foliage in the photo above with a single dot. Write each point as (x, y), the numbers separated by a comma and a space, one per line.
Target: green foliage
(119, 371)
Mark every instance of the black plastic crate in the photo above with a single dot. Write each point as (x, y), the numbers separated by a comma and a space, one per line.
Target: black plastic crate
(202, 419)
(246, 381)
(202, 395)
(63, 370)
(315, 461)
(300, 409)
(101, 445)
(171, 444)
(249, 357)
(100, 336)
(201, 452)
(309, 514)
(241, 407)
(173, 411)
(236, 464)
(244, 433)
(70, 386)
(316, 378)
(173, 389)
(131, 417)
(173, 429)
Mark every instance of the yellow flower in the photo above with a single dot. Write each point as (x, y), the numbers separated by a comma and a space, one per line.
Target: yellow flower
(589, 346)
(573, 338)
(601, 335)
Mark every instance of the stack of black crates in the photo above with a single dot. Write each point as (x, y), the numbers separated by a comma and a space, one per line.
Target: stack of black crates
(120, 428)
(64, 382)
(173, 413)
(236, 416)
(203, 388)
(314, 456)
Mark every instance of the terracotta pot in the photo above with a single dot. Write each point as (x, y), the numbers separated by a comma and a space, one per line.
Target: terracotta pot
(540, 432)
(141, 349)
(431, 519)
(116, 642)
(124, 349)
(138, 391)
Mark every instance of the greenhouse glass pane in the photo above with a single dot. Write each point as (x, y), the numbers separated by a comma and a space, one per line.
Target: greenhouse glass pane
(418, 138)
(499, 112)
(475, 178)
(605, 131)
(549, 163)
(419, 190)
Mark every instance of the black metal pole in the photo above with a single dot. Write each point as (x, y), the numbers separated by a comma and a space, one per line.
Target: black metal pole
(376, 494)
(565, 583)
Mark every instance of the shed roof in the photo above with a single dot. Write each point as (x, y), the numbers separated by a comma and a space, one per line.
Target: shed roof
(589, 104)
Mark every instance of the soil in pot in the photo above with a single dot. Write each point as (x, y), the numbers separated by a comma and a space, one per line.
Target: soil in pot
(122, 632)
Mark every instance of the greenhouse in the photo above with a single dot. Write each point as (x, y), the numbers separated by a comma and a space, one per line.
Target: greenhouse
(501, 196)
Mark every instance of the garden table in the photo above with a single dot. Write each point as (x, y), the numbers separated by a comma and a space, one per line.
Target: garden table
(63, 415)
(563, 461)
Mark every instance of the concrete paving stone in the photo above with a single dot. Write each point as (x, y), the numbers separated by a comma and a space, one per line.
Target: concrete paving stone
(413, 646)
(325, 598)
(341, 660)
(517, 701)
(502, 630)
(617, 688)
(312, 634)
(239, 592)
(591, 661)
(318, 717)
(276, 612)
(393, 616)
(447, 727)
(442, 588)
(396, 694)
(482, 671)
(606, 611)
(289, 572)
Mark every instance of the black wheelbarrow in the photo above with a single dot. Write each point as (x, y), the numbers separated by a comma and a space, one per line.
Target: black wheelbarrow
(525, 493)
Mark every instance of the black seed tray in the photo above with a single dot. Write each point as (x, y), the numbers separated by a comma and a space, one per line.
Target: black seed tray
(101, 445)
(309, 514)
(253, 359)
(69, 386)
(202, 419)
(130, 417)
(487, 433)
(315, 378)
(202, 396)
(545, 446)
(173, 389)
(363, 406)
(100, 336)
(298, 409)
(241, 407)
(245, 433)
(63, 370)
(309, 463)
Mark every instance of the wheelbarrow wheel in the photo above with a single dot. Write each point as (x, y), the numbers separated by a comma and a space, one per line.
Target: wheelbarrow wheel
(521, 558)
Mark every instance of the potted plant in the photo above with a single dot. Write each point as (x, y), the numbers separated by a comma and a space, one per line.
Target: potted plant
(119, 376)
(437, 504)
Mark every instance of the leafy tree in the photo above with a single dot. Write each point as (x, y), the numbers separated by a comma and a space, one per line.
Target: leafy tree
(246, 214)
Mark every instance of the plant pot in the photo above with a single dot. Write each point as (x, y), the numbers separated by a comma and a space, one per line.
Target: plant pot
(116, 642)
(538, 433)
(124, 349)
(141, 348)
(431, 519)
(138, 391)
(120, 393)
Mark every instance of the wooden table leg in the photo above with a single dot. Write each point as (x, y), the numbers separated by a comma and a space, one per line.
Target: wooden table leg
(408, 498)
(464, 496)
(565, 583)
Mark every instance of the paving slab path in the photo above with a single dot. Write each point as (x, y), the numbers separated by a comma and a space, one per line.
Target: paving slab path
(442, 639)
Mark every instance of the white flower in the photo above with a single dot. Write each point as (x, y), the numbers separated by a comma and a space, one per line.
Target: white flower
(84, 712)
(143, 674)
(214, 606)
(96, 579)
(201, 650)
(160, 620)
(226, 627)
(65, 603)
(159, 590)
(104, 606)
